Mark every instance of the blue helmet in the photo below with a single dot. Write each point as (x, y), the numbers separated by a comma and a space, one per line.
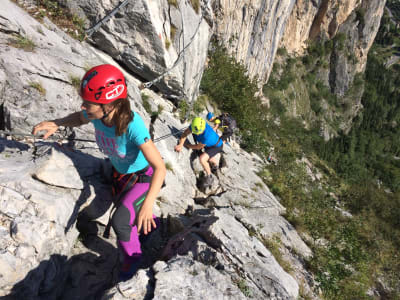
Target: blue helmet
(209, 116)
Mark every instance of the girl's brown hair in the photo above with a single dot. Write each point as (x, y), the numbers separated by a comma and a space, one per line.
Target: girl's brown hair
(122, 116)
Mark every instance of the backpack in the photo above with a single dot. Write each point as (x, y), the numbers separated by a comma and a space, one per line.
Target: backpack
(228, 123)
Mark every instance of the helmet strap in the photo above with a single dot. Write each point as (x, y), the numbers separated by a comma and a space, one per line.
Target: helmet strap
(105, 114)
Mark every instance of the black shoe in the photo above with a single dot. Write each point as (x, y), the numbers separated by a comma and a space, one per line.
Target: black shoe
(209, 180)
(214, 169)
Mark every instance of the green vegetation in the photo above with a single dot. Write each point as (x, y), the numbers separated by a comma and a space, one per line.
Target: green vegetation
(173, 3)
(243, 287)
(225, 82)
(168, 166)
(195, 5)
(273, 244)
(23, 43)
(173, 32)
(60, 16)
(160, 108)
(40, 30)
(148, 108)
(39, 87)
(167, 43)
(199, 105)
(183, 108)
(350, 251)
(75, 81)
(146, 103)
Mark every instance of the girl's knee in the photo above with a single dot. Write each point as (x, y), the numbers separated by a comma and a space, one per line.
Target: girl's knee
(121, 223)
(203, 158)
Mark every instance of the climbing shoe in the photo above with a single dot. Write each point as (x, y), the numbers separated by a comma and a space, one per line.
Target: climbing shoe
(130, 266)
(214, 169)
(208, 181)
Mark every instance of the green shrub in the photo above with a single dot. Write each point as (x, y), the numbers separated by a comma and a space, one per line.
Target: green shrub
(243, 287)
(38, 87)
(61, 16)
(277, 106)
(340, 40)
(183, 107)
(199, 105)
(146, 104)
(315, 102)
(173, 32)
(273, 244)
(169, 167)
(173, 3)
(23, 43)
(167, 43)
(225, 82)
(360, 17)
(195, 5)
(75, 82)
(281, 52)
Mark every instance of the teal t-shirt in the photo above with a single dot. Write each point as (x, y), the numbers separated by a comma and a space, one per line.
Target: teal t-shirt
(123, 151)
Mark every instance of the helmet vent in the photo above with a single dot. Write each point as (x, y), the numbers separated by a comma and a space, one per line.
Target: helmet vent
(110, 83)
(97, 95)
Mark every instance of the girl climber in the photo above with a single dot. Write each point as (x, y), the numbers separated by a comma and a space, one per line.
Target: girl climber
(138, 168)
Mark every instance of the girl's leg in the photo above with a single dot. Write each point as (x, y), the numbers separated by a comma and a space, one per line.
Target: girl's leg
(123, 222)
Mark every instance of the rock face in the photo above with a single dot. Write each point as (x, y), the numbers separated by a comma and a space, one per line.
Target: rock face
(49, 190)
(352, 26)
(309, 18)
(149, 38)
(251, 31)
(360, 28)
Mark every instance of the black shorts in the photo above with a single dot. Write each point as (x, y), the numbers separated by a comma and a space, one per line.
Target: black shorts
(212, 151)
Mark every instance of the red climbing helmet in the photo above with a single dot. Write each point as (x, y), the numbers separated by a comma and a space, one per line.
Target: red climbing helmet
(103, 84)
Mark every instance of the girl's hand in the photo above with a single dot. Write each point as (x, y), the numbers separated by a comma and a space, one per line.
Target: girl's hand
(178, 148)
(49, 126)
(145, 219)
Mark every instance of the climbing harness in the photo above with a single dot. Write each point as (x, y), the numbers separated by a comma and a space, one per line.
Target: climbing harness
(128, 181)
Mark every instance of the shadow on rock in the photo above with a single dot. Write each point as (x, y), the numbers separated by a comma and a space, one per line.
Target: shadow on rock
(83, 276)
(187, 231)
(4, 143)
(96, 174)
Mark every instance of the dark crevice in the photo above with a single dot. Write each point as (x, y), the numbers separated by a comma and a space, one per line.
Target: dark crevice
(332, 70)
(5, 118)
(316, 25)
(49, 77)
(127, 69)
(2, 119)
(151, 285)
(153, 118)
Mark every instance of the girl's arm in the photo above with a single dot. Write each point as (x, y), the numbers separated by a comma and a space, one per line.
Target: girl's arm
(73, 120)
(145, 217)
(182, 140)
(196, 146)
